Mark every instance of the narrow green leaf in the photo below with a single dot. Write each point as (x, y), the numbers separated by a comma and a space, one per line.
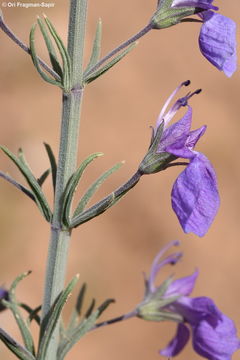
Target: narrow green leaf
(33, 183)
(35, 59)
(105, 203)
(50, 321)
(18, 186)
(90, 309)
(62, 330)
(72, 185)
(96, 49)
(43, 177)
(80, 299)
(94, 187)
(94, 211)
(17, 349)
(93, 76)
(77, 309)
(52, 163)
(67, 67)
(13, 305)
(51, 50)
(22, 165)
(85, 326)
(104, 306)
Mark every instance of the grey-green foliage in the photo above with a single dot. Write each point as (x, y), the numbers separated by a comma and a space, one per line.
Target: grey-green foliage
(36, 191)
(80, 324)
(65, 70)
(13, 305)
(49, 323)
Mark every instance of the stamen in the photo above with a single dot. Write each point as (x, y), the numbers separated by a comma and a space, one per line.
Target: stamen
(161, 115)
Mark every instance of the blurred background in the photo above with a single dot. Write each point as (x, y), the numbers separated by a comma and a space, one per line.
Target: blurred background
(112, 251)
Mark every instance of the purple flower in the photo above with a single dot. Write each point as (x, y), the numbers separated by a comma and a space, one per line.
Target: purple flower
(213, 333)
(217, 39)
(195, 197)
(3, 296)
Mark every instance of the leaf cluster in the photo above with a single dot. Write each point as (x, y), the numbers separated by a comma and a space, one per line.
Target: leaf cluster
(78, 325)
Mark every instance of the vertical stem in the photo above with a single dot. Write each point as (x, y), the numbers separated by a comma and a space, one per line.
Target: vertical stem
(68, 149)
(76, 35)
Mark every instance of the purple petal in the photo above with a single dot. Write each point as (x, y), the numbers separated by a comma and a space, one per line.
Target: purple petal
(178, 342)
(186, 151)
(217, 41)
(177, 133)
(183, 286)
(195, 197)
(203, 4)
(194, 136)
(195, 310)
(3, 295)
(216, 342)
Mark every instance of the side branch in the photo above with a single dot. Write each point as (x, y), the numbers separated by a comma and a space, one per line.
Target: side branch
(23, 46)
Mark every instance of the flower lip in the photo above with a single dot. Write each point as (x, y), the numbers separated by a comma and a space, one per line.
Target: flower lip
(217, 41)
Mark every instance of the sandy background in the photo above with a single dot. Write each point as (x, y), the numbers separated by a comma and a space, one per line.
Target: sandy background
(111, 252)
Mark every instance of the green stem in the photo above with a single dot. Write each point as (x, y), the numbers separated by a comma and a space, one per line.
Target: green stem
(60, 238)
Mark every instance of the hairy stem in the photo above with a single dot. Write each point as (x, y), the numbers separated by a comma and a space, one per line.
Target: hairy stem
(68, 149)
(116, 319)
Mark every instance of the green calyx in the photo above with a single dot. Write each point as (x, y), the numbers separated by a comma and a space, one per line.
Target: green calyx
(155, 161)
(155, 305)
(167, 16)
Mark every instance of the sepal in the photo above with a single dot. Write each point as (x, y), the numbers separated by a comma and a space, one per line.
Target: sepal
(152, 308)
(167, 16)
(153, 161)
